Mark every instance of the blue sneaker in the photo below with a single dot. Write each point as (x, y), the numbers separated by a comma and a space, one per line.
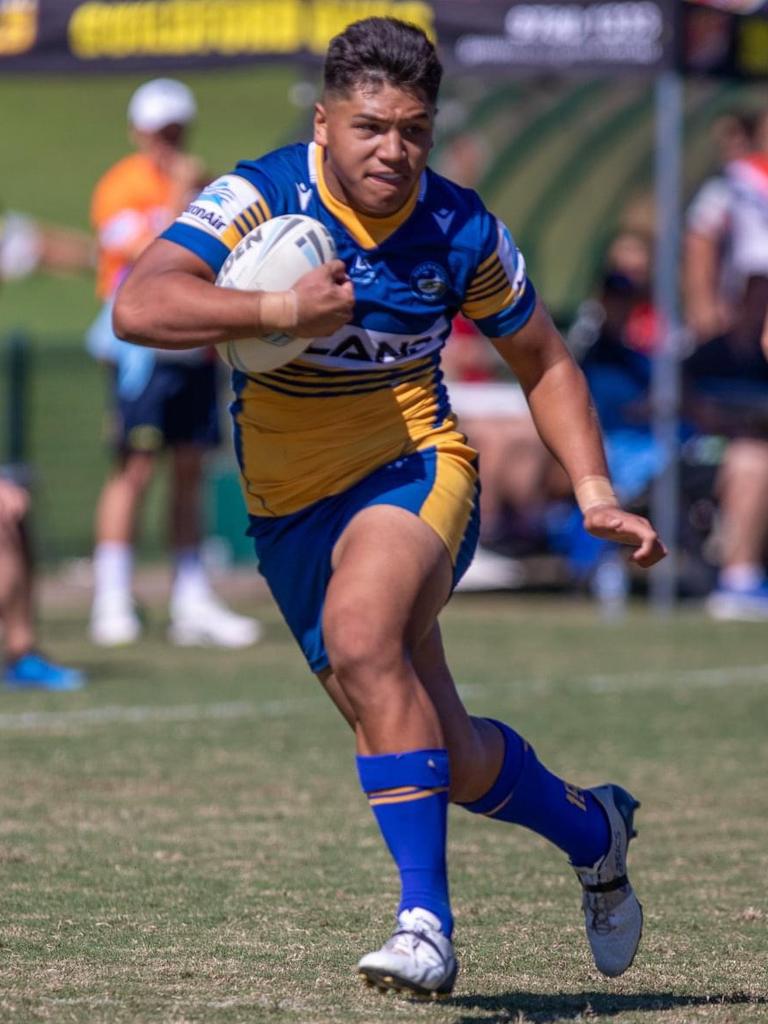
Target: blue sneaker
(749, 605)
(33, 671)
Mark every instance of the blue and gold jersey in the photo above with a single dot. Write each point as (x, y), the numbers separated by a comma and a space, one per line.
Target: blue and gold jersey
(372, 392)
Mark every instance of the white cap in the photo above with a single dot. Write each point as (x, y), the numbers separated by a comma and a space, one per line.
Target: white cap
(161, 102)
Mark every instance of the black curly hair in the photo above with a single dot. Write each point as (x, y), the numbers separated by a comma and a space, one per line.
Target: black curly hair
(375, 51)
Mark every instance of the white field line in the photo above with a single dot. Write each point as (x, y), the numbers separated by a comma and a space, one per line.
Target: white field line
(695, 678)
(658, 679)
(139, 714)
(120, 714)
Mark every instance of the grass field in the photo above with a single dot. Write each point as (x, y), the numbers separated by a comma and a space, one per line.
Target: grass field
(185, 840)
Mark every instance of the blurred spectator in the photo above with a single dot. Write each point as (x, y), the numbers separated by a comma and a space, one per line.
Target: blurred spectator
(613, 338)
(711, 278)
(27, 246)
(514, 464)
(161, 399)
(733, 133)
(726, 293)
(25, 666)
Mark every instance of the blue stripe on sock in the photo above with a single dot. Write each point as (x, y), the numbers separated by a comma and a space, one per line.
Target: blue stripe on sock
(415, 830)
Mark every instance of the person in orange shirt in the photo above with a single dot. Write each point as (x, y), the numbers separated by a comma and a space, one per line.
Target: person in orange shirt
(160, 400)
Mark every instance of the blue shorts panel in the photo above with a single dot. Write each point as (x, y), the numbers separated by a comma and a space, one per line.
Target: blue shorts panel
(294, 551)
(178, 405)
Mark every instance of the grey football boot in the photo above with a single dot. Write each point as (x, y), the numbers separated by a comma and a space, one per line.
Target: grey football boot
(612, 913)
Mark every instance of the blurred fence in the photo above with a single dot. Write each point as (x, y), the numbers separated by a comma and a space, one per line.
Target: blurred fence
(54, 429)
(53, 397)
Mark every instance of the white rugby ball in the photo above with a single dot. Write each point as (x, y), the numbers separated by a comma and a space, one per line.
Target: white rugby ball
(272, 258)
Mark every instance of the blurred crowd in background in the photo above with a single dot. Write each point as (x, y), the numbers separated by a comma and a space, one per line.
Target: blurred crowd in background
(532, 534)
(527, 507)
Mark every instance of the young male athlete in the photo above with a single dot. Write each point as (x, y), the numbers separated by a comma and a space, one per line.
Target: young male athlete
(363, 494)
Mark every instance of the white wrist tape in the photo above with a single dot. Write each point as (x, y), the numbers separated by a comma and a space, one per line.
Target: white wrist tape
(278, 311)
(591, 491)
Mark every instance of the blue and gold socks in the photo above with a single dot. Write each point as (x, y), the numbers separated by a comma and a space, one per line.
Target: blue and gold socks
(526, 793)
(408, 794)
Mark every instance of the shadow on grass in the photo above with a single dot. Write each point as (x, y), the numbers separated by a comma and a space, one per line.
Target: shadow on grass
(542, 1008)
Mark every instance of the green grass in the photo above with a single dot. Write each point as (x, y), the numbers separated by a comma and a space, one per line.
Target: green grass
(68, 129)
(66, 132)
(185, 840)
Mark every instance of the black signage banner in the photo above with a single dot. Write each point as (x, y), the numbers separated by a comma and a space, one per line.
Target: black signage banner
(735, 6)
(621, 38)
(723, 37)
(596, 35)
(716, 41)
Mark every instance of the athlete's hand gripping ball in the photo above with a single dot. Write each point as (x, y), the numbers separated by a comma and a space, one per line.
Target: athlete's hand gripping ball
(325, 299)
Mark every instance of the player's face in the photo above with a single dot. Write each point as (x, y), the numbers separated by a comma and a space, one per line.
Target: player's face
(377, 140)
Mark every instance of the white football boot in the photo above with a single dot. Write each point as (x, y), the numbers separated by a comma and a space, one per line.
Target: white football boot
(114, 622)
(206, 622)
(418, 958)
(612, 913)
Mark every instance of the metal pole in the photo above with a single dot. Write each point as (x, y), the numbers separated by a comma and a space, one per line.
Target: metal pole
(665, 380)
(17, 376)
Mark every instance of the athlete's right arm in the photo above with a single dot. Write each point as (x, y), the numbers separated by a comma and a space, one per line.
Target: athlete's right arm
(169, 300)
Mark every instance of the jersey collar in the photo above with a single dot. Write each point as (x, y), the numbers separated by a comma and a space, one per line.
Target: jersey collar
(368, 232)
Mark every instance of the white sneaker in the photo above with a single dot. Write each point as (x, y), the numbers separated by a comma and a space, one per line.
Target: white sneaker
(612, 913)
(727, 603)
(418, 958)
(490, 571)
(206, 622)
(114, 622)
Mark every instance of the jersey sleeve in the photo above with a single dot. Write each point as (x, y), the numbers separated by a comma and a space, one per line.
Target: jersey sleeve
(500, 297)
(709, 211)
(223, 213)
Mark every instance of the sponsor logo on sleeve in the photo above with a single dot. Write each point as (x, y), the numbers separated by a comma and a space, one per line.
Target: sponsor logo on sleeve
(219, 203)
(512, 260)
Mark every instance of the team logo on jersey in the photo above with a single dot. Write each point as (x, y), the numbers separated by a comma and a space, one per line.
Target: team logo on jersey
(361, 271)
(304, 193)
(429, 281)
(444, 219)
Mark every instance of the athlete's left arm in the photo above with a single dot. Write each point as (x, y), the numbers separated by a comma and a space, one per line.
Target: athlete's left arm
(566, 420)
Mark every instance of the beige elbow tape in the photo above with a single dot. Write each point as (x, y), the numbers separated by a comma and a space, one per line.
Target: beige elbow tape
(278, 311)
(591, 491)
